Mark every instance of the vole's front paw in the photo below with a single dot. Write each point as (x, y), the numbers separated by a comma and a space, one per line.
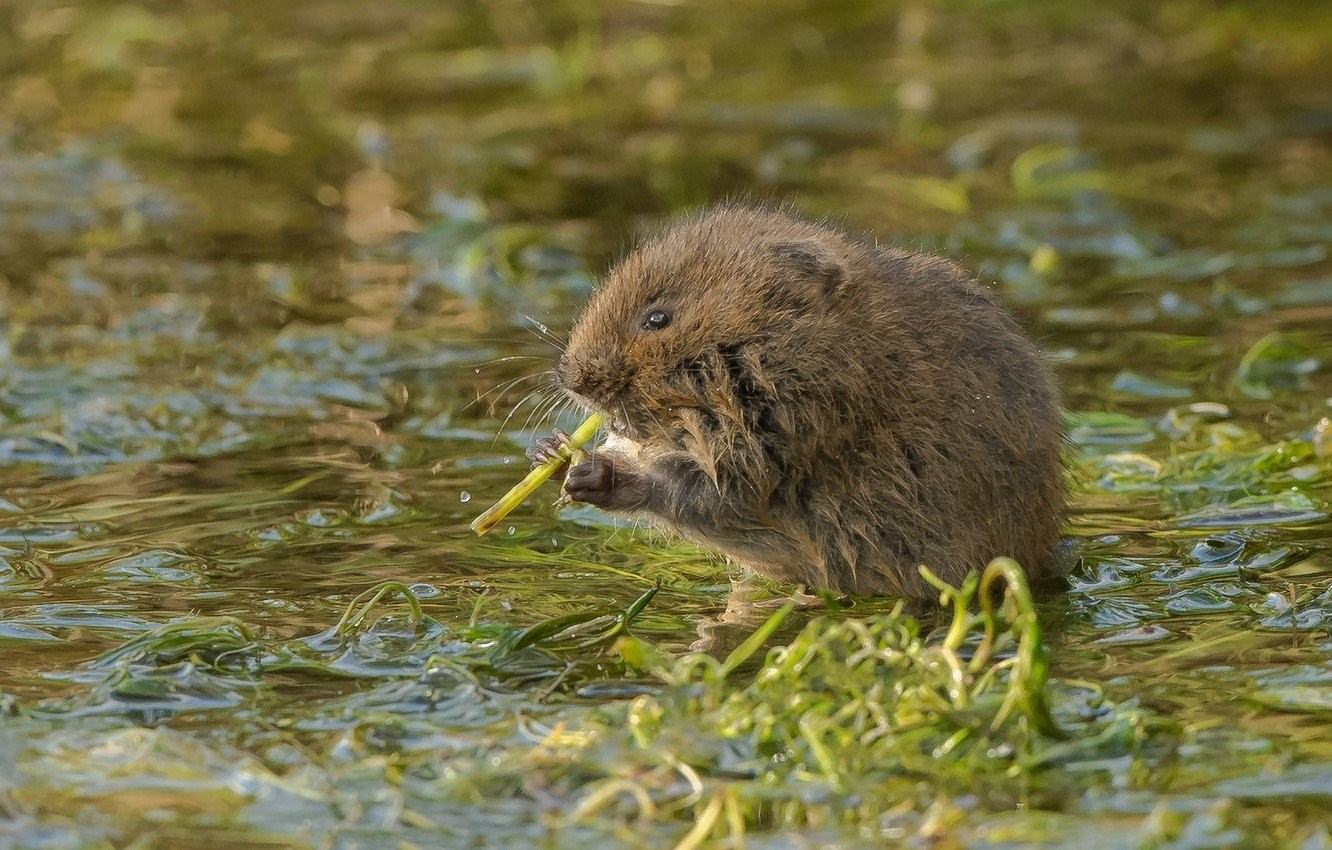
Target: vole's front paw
(547, 449)
(592, 481)
(600, 481)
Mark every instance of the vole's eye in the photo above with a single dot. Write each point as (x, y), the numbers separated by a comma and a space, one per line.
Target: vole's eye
(656, 319)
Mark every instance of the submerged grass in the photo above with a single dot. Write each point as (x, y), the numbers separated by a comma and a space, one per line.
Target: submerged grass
(843, 721)
(850, 722)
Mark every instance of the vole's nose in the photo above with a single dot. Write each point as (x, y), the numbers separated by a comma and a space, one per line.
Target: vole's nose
(583, 382)
(603, 378)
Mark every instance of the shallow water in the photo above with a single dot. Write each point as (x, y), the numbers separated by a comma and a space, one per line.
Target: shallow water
(263, 269)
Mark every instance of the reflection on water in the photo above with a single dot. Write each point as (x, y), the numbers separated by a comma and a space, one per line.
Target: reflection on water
(277, 284)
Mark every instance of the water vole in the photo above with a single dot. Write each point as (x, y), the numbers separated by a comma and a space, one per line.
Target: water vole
(819, 408)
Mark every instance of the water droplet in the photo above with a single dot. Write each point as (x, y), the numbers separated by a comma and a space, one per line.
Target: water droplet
(464, 497)
(421, 590)
(512, 530)
(1276, 603)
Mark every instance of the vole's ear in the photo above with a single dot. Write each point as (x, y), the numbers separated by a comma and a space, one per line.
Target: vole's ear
(807, 269)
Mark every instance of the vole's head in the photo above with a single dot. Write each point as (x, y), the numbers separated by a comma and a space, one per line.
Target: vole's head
(690, 330)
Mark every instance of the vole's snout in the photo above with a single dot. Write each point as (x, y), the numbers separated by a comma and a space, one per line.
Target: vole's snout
(563, 373)
(604, 379)
(574, 375)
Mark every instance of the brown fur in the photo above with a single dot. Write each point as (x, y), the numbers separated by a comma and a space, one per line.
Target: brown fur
(821, 409)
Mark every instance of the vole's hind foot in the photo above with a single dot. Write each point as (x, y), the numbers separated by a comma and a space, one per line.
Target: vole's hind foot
(547, 449)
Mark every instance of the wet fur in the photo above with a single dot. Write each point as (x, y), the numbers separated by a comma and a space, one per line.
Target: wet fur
(821, 409)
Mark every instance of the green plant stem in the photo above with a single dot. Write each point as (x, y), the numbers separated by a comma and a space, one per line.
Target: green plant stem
(520, 491)
(352, 617)
(1027, 684)
(754, 642)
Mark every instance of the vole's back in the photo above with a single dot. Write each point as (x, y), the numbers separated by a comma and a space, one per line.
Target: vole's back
(956, 456)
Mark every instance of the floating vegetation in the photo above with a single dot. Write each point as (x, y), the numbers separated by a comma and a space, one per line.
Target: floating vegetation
(848, 718)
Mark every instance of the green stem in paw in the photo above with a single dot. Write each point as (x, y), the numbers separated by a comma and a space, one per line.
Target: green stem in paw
(515, 497)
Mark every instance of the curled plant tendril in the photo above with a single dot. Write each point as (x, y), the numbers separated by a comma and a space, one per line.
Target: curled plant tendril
(1026, 684)
(368, 599)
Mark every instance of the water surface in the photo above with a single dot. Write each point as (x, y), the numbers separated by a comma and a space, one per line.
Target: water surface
(277, 284)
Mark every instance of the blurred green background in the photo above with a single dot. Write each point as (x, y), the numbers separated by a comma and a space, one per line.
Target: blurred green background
(278, 280)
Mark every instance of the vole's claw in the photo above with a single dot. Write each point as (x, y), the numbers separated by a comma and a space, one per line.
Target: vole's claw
(547, 449)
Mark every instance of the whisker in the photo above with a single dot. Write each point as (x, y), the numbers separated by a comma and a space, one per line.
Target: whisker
(624, 414)
(656, 420)
(509, 358)
(545, 332)
(559, 403)
(553, 345)
(551, 406)
(499, 431)
(548, 410)
(545, 373)
(541, 332)
(538, 393)
(544, 401)
(505, 386)
(566, 405)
